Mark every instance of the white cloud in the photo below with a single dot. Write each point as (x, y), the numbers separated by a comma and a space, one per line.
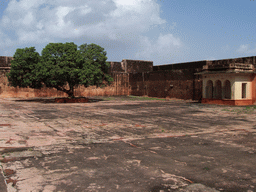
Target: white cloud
(119, 22)
(243, 48)
(70, 19)
(164, 48)
(246, 49)
(168, 41)
(28, 19)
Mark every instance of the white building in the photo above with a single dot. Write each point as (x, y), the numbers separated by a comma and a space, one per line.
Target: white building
(231, 84)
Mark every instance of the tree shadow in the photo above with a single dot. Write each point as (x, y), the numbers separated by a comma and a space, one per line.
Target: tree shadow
(52, 100)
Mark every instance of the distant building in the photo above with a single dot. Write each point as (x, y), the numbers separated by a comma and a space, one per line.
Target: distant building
(229, 83)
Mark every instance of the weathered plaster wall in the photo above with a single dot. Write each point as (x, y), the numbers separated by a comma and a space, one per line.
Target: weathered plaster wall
(222, 78)
(239, 79)
(236, 81)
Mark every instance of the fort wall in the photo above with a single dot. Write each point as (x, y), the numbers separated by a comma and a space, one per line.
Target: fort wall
(118, 87)
(176, 80)
(133, 77)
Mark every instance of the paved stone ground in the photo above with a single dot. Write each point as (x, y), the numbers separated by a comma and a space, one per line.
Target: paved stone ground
(126, 144)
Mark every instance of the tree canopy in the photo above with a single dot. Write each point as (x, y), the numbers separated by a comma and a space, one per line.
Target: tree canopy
(60, 66)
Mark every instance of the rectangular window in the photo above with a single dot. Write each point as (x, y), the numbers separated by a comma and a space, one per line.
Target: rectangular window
(244, 90)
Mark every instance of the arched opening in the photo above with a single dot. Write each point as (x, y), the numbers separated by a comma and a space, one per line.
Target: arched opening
(218, 90)
(209, 90)
(227, 90)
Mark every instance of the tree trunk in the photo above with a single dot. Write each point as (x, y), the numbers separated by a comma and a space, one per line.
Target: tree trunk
(71, 91)
(70, 94)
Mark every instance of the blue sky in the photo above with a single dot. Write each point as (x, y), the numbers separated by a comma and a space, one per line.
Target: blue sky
(164, 31)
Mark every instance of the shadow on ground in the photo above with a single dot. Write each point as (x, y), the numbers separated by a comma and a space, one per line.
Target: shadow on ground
(52, 100)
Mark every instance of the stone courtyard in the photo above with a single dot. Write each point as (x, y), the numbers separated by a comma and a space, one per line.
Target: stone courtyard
(126, 143)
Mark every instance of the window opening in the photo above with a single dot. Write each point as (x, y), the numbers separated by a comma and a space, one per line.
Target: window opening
(244, 90)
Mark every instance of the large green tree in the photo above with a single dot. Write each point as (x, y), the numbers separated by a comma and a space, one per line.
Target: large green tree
(61, 66)
(23, 71)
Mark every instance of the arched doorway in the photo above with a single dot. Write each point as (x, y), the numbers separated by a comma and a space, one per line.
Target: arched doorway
(218, 90)
(227, 89)
(209, 90)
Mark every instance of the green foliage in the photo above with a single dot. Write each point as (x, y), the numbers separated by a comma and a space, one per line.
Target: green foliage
(23, 71)
(95, 68)
(61, 66)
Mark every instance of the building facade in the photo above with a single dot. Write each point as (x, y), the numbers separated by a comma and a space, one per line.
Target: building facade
(232, 84)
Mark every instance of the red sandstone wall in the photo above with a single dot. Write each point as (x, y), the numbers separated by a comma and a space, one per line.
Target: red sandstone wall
(181, 84)
(117, 67)
(131, 66)
(174, 81)
(5, 61)
(246, 60)
(137, 66)
(253, 78)
(119, 87)
(51, 92)
(121, 83)
(228, 102)
(154, 84)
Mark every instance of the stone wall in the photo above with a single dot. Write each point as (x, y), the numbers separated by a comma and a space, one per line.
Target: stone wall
(117, 67)
(5, 61)
(137, 66)
(118, 87)
(169, 81)
(176, 80)
(188, 65)
(133, 77)
(246, 60)
(131, 66)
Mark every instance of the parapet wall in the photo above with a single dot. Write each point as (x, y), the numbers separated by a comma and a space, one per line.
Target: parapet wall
(131, 66)
(198, 65)
(116, 67)
(137, 66)
(246, 60)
